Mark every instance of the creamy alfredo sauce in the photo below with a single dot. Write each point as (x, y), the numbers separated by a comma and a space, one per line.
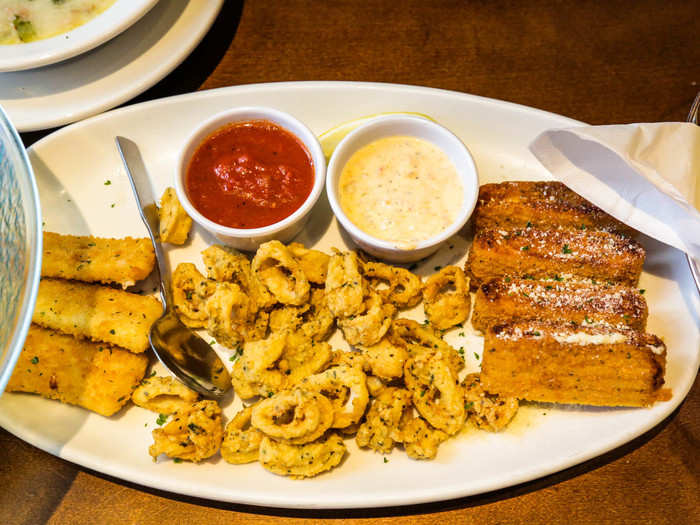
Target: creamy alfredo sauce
(400, 189)
(30, 20)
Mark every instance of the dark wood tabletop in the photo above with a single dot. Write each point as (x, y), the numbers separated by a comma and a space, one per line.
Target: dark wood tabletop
(599, 62)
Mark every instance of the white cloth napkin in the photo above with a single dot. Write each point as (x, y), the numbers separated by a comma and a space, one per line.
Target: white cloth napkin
(645, 175)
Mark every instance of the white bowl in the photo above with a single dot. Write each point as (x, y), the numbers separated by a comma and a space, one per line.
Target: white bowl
(250, 239)
(405, 125)
(105, 26)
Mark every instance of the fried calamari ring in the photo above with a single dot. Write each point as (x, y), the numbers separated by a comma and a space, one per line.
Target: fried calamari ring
(490, 411)
(419, 438)
(280, 273)
(225, 264)
(345, 287)
(346, 387)
(294, 416)
(317, 320)
(302, 461)
(437, 394)
(414, 338)
(403, 287)
(385, 359)
(241, 442)
(370, 326)
(163, 395)
(190, 292)
(303, 357)
(446, 298)
(381, 427)
(255, 373)
(194, 434)
(313, 262)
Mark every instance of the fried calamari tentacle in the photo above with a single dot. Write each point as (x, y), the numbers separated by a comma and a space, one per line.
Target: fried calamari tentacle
(225, 264)
(190, 292)
(446, 298)
(413, 337)
(294, 416)
(313, 262)
(419, 438)
(241, 443)
(490, 411)
(194, 434)
(370, 326)
(228, 309)
(280, 273)
(346, 387)
(381, 427)
(437, 394)
(345, 286)
(302, 461)
(163, 395)
(403, 288)
(255, 372)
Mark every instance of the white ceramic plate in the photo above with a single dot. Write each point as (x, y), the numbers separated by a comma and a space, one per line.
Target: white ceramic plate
(108, 24)
(111, 74)
(72, 166)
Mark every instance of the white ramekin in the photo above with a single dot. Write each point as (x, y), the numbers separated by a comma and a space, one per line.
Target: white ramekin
(284, 230)
(405, 125)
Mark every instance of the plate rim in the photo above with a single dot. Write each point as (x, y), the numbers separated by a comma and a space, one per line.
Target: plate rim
(82, 38)
(423, 496)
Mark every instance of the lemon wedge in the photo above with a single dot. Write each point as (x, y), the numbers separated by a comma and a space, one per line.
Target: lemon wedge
(329, 139)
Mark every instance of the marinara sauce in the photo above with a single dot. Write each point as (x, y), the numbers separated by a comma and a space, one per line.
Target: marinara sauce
(249, 174)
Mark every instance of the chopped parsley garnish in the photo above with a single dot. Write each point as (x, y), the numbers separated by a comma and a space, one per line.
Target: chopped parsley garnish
(642, 291)
(476, 356)
(566, 249)
(528, 225)
(162, 418)
(437, 268)
(108, 182)
(35, 360)
(525, 248)
(386, 460)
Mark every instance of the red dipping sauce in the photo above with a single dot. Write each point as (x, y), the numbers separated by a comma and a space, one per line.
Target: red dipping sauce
(249, 174)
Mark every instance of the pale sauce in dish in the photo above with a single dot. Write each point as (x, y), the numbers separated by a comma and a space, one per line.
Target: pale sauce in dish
(401, 189)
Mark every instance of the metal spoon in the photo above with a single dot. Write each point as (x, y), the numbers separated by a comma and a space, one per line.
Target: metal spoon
(186, 355)
(693, 118)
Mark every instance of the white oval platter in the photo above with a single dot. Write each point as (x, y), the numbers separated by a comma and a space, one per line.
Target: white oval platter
(72, 166)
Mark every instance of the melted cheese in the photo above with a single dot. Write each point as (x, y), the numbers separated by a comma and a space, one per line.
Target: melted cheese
(401, 189)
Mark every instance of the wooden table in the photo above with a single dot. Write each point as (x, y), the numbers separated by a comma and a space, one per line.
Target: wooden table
(599, 62)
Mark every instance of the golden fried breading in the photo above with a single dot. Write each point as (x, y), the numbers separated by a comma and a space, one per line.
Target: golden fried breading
(96, 312)
(280, 273)
(489, 411)
(241, 443)
(174, 224)
(587, 365)
(190, 293)
(381, 427)
(293, 416)
(302, 461)
(446, 298)
(313, 262)
(97, 259)
(420, 439)
(543, 254)
(414, 338)
(228, 311)
(509, 300)
(345, 287)
(403, 288)
(385, 359)
(317, 320)
(368, 327)
(346, 387)
(303, 357)
(542, 204)
(255, 373)
(225, 264)
(76, 371)
(163, 395)
(437, 394)
(193, 434)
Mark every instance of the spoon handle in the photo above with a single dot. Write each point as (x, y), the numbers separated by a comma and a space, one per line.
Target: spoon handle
(136, 172)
